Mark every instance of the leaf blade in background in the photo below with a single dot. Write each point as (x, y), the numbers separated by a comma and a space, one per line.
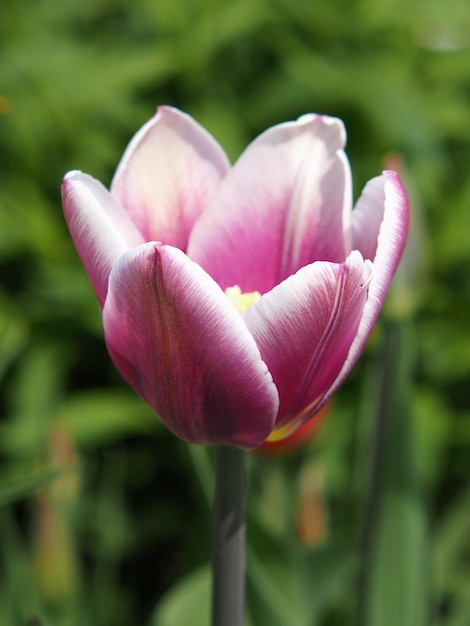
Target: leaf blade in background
(20, 487)
(395, 568)
(187, 602)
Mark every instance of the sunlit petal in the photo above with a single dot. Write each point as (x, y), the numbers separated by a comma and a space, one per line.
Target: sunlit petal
(168, 176)
(100, 229)
(283, 205)
(177, 339)
(304, 328)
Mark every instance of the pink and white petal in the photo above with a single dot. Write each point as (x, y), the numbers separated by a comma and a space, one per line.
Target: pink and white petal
(304, 329)
(380, 227)
(367, 217)
(180, 343)
(100, 229)
(168, 175)
(283, 205)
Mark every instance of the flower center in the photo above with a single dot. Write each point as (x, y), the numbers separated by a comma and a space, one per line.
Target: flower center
(241, 301)
(282, 432)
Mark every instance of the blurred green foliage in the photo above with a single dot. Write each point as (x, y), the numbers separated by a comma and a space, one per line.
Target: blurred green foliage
(122, 536)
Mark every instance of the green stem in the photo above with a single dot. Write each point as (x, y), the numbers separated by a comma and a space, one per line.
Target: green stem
(228, 550)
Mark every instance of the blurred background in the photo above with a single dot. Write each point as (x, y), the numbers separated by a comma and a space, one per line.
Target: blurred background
(105, 516)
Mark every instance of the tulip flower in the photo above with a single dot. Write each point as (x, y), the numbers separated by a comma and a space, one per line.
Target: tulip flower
(299, 439)
(236, 299)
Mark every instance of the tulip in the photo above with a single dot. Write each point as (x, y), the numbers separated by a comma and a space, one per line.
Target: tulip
(299, 439)
(236, 300)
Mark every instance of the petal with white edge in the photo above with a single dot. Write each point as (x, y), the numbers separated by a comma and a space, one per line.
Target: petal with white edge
(179, 342)
(285, 203)
(380, 223)
(168, 175)
(100, 229)
(304, 329)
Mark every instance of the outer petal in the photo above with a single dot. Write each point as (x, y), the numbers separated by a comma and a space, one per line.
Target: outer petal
(168, 175)
(282, 206)
(178, 341)
(100, 229)
(379, 228)
(304, 329)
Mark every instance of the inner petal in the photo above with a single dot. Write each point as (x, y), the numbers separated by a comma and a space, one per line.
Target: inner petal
(282, 206)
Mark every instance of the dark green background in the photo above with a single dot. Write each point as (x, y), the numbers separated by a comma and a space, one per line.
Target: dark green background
(102, 544)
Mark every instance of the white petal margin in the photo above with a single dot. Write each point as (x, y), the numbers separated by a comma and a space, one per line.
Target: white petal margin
(283, 205)
(179, 342)
(380, 227)
(100, 229)
(304, 328)
(168, 175)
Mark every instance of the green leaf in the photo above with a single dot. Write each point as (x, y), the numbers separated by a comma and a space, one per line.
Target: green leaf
(396, 546)
(97, 416)
(22, 487)
(398, 578)
(188, 602)
(461, 614)
(451, 567)
(269, 592)
(328, 572)
(13, 333)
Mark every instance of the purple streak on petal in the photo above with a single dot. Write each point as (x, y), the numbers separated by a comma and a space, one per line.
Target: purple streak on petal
(168, 175)
(379, 225)
(285, 204)
(100, 229)
(304, 328)
(179, 342)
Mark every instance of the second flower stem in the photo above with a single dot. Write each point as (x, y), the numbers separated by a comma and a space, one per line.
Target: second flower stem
(228, 550)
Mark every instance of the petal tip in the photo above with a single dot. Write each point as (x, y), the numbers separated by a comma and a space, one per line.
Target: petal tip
(71, 177)
(329, 127)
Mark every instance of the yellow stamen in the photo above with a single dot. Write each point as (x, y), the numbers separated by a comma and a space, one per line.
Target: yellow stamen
(283, 431)
(241, 301)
